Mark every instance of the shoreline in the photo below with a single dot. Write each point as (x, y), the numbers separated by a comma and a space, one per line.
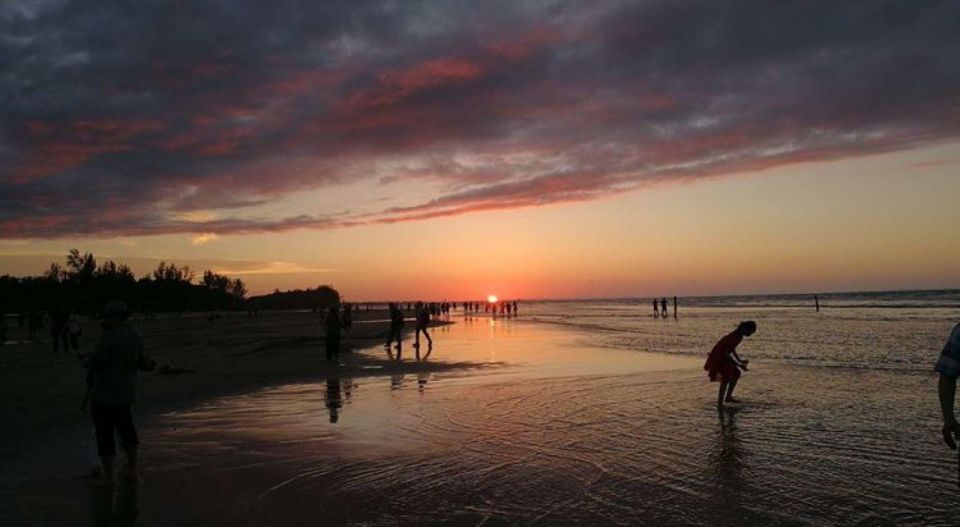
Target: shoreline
(231, 356)
(569, 430)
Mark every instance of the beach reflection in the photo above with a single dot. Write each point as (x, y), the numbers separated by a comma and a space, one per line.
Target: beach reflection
(422, 379)
(114, 506)
(332, 398)
(727, 462)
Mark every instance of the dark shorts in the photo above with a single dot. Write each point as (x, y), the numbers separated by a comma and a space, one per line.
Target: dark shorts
(113, 421)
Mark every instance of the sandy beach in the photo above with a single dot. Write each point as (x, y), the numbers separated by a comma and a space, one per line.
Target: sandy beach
(506, 421)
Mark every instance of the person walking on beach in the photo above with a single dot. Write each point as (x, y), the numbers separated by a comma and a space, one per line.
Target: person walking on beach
(396, 326)
(663, 307)
(724, 365)
(332, 341)
(113, 368)
(656, 308)
(423, 320)
(948, 366)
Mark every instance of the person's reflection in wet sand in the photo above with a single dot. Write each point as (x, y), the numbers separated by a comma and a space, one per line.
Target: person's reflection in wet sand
(114, 506)
(426, 355)
(396, 381)
(728, 463)
(347, 389)
(332, 398)
(422, 379)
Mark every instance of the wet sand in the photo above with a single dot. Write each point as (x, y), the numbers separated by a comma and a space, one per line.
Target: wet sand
(552, 431)
(236, 354)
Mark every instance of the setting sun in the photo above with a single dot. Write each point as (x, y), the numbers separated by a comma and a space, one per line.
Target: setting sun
(492, 299)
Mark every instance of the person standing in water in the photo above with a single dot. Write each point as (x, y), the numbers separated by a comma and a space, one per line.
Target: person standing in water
(948, 366)
(656, 308)
(423, 320)
(724, 365)
(332, 342)
(663, 307)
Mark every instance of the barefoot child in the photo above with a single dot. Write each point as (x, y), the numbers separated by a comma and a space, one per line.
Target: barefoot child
(724, 365)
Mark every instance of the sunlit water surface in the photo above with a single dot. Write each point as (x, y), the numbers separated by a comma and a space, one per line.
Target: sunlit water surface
(574, 425)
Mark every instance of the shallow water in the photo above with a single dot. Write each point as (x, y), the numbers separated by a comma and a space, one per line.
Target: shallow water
(902, 332)
(638, 448)
(643, 445)
(565, 426)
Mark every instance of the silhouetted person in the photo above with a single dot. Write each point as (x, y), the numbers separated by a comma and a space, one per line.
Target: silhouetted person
(332, 340)
(113, 367)
(58, 326)
(816, 302)
(674, 307)
(396, 327)
(656, 308)
(948, 366)
(73, 332)
(663, 306)
(332, 399)
(515, 312)
(724, 365)
(423, 320)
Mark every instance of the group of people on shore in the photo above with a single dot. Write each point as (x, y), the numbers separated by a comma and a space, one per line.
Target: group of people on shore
(425, 312)
(65, 329)
(422, 314)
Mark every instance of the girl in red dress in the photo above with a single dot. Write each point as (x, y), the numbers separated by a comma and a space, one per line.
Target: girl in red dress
(724, 365)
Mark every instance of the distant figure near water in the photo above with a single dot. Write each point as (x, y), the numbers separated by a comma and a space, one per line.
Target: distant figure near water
(656, 308)
(724, 365)
(663, 307)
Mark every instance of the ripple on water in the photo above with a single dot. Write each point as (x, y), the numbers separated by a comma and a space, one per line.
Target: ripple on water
(806, 446)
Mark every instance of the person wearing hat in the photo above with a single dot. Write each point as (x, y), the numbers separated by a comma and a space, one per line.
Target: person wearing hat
(113, 367)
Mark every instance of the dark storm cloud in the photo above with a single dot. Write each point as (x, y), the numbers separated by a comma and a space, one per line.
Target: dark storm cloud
(121, 118)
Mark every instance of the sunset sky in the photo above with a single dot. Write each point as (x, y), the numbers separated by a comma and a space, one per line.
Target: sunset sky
(524, 149)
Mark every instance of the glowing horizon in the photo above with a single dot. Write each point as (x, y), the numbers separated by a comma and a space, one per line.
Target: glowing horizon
(430, 151)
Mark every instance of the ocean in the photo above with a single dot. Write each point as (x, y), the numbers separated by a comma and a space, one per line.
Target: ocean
(899, 330)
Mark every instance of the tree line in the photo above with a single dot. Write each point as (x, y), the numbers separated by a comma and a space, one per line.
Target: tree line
(83, 285)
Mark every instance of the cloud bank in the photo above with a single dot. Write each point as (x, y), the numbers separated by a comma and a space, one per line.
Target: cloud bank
(139, 119)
